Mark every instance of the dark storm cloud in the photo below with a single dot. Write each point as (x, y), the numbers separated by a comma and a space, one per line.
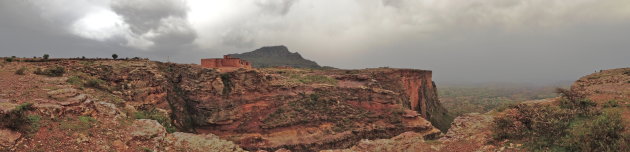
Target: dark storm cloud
(162, 22)
(146, 15)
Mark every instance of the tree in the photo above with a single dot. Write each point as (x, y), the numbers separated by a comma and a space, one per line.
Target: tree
(115, 56)
(46, 56)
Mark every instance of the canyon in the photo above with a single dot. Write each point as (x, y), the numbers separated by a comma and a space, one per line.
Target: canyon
(257, 109)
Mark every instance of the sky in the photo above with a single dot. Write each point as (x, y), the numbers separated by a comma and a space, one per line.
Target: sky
(471, 41)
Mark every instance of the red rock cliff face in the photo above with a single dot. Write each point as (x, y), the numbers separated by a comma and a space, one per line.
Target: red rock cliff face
(268, 109)
(421, 92)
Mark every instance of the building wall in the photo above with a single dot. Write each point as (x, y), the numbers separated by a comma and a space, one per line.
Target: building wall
(226, 62)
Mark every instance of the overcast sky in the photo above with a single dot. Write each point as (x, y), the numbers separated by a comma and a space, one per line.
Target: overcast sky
(541, 41)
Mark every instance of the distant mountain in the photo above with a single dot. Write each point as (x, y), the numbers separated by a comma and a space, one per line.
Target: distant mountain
(272, 56)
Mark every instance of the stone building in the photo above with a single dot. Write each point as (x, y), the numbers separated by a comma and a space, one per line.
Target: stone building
(226, 63)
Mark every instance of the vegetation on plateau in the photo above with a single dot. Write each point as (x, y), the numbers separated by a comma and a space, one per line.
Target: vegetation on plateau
(576, 124)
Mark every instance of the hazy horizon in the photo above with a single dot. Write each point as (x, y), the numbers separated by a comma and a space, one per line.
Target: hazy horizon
(476, 41)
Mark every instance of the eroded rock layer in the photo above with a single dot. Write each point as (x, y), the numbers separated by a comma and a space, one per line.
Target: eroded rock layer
(270, 109)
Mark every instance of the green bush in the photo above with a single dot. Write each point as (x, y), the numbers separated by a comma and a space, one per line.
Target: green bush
(16, 119)
(550, 128)
(318, 79)
(95, 83)
(46, 56)
(82, 123)
(160, 117)
(602, 133)
(51, 72)
(540, 125)
(33, 120)
(611, 104)
(8, 59)
(577, 102)
(75, 80)
(21, 71)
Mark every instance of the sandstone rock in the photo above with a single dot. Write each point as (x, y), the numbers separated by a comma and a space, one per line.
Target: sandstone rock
(471, 127)
(282, 150)
(145, 129)
(74, 100)
(49, 109)
(8, 138)
(119, 145)
(410, 114)
(108, 109)
(81, 138)
(6, 107)
(200, 143)
(63, 93)
(248, 102)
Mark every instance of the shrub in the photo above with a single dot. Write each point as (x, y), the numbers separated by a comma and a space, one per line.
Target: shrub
(318, 79)
(160, 117)
(75, 80)
(34, 126)
(21, 71)
(16, 119)
(115, 56)
(80, 124)
(537, 124)
(576, 101)
(95, 83)
(545, 128)
(46, 56)
(8, 59)
(611, 104)
(602, 133)
(52, 72)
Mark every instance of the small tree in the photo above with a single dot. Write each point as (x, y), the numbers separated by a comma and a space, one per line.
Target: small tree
(46, 56)
(115, 56)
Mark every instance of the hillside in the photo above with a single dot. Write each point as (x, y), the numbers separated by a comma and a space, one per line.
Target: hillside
(594, 115)
(141, 105)
(276, 56)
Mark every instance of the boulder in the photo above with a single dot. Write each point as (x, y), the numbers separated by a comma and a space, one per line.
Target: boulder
(108, 109)
(8, 138)
(146, 129)
(200, 143)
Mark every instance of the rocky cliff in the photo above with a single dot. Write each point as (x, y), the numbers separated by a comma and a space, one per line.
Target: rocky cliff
(263, 109)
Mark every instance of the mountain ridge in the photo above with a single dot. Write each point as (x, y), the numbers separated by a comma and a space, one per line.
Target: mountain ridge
(276, 56)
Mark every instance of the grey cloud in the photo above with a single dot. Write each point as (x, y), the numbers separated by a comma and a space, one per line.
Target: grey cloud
(239, 38)
(470, 41)
(162, 22)
(393, 3)
(145, 15)
(280, 7)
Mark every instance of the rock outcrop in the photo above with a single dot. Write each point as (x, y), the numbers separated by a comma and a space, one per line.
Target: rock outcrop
(606, 85)
(200, 143)
(270, 109)
(470, 132)
(8, 139)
